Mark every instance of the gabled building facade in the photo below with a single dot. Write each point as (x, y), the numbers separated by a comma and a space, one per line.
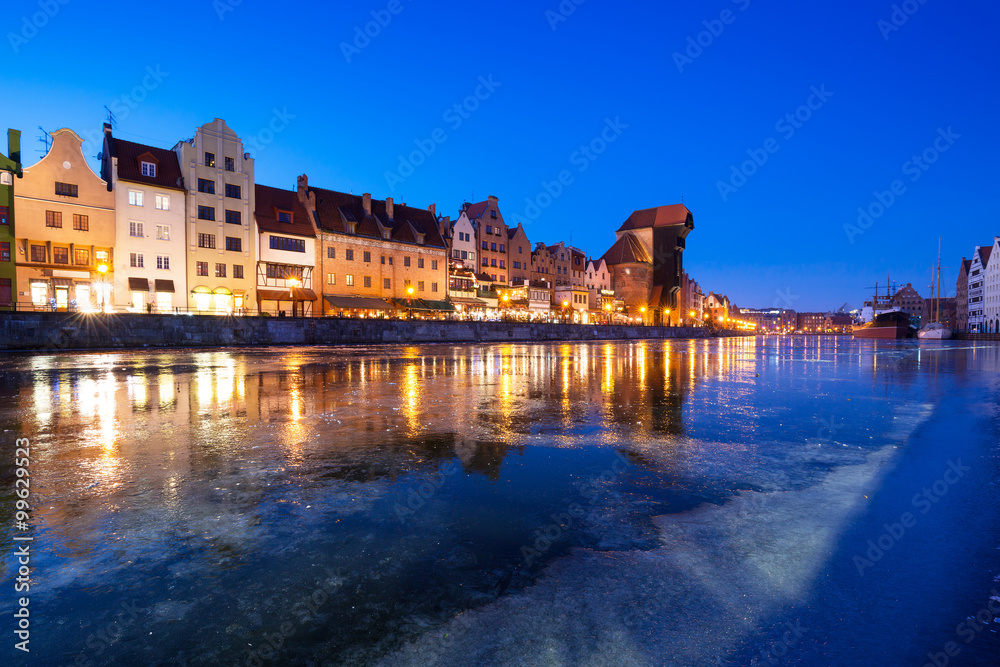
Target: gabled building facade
(991, 291)
(462, 246)
(150, 273)
(10, 172)
(286, 253)
(220, 235)
(977, 275)
(491, 238)
(371, 253)
(65, 231)
(962, 296)
(519, 256)
(908, 300)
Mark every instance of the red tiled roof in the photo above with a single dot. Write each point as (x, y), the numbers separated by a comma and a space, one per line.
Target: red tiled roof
(627, 250)
(476, 210)
(662, 216)
(984, 254)
(268, 201)
(331, 207)
(168, 170)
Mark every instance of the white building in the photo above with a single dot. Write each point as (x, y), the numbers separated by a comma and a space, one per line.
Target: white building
(286, 253)
(150, 273)
(991, 290)
(462, 243)
(221, 236)
(977, 275)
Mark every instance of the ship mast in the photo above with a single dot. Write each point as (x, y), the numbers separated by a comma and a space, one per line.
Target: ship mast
(937, 316)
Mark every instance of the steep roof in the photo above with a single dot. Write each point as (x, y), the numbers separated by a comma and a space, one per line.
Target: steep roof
(966, 267)
(335, 209)
(268, 201)
(984, 255)
(627, 250)
(131, 155)
(475, 211)
(661, 216)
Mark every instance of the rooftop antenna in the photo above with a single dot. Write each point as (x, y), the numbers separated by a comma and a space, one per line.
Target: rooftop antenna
(46, 139)
(111, 119)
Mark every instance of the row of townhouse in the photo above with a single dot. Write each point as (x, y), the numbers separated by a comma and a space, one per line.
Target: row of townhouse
(977, 302)
(188, 229)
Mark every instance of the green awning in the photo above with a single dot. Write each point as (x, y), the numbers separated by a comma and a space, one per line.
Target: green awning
(443, 306)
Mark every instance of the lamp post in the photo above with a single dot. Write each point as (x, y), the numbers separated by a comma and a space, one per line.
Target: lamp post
(667, 313)
(691, 315)
(294, 282)
(102, 285)
(506, 305)
(642, 310)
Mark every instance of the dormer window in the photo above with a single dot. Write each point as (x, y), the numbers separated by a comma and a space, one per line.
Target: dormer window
(387, 234)
(285, 216)
(420, 239)
(149, 169)
(352, 228)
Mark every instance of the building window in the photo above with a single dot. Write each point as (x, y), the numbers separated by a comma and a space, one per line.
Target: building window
(420, 286)
(135, 260)
(434, 287)
(285, 216)
(368, 281)
(349, 280)
(386, 283)
(486, 262)
(368, 257)
(81, 223)
(331, 279)
(486, 245)
(434, 265)
(493, 247)
(163, 262)
(493, 262)
(135, 198)
(207, 186)
(234, 244)
(206, 240)
(38, 253)
(60, 255)
(291, 245)
(5, 252)
(4, 215)
(406, 261)
(53, 218)
(390, 260)
(135, 229)
(502, 262)
(161, 202)
(331, 253)
(201, 268)
(163, 232)
(67, 189)
(209, 159)
(230, 164)
(206, 213)
(220, 270)
(233, 191)
(238, 271)
(420, 262)
(349, 255)
(493, 214)
(502, 248)
(234, 217)
(383, 259)
(149, 169)
(489, 229)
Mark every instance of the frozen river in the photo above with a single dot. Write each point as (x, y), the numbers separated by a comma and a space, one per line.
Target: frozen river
(796, 501)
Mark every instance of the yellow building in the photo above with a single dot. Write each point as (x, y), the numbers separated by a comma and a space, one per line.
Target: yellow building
(221, 235)
(65, 231)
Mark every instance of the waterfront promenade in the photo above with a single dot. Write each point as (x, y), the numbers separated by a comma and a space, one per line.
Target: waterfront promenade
(67, 331)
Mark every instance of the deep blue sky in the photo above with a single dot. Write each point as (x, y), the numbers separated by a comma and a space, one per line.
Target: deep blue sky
(778, 238)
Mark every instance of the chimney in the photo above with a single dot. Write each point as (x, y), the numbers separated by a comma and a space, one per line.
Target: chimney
(14, 146)
(367, 199)
(493, 199)
(307, 199)
(433, 209)
(388, 208)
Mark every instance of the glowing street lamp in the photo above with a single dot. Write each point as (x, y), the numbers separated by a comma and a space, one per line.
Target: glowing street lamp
(409, 302)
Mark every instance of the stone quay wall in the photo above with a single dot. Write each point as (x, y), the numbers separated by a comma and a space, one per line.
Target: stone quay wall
(66, 331)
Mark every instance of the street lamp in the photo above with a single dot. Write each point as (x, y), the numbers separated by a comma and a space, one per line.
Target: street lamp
(102, 286)
(409, 302)
(642, 310)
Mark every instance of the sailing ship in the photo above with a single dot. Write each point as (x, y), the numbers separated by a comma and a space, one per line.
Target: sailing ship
(936, 330)
(888, 322)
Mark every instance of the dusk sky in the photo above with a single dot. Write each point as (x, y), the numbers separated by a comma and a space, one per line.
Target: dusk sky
(345, 115)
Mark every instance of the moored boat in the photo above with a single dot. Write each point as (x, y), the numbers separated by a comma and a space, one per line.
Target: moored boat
(887, 325)
(934, 331)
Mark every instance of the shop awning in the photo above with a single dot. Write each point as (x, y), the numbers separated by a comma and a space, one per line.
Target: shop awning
(201, 290)
(287, 294)
(138, 285)
(162, 285)
(357, 303)
(222, 290)
(442, 306)
(62, 282)
(462, 301)
(411, 304)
